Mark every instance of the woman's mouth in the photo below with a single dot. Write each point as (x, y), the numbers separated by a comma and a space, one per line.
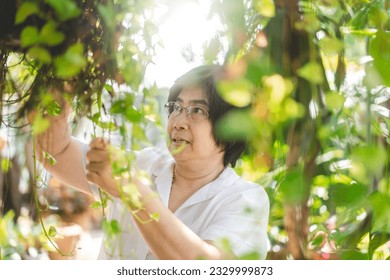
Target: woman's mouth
(178, 141)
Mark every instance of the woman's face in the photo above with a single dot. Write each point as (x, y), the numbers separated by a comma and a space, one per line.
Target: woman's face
(191, 139)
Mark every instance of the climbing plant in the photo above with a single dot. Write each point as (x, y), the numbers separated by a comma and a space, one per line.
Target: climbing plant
(312, 73)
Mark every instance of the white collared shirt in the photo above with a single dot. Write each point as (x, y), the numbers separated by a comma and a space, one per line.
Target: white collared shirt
(228, 208)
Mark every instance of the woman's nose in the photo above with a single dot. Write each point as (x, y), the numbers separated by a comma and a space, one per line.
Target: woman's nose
(181, 121)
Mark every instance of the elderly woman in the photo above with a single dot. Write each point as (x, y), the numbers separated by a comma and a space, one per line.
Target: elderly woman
(201, 200)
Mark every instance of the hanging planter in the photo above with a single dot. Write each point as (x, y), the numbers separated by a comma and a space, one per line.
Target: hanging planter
(79, 49)
(73, 46)
(65, 44)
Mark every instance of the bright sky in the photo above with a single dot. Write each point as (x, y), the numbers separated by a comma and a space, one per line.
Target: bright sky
(183, 26)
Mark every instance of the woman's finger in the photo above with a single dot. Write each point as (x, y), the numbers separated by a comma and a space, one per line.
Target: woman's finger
(93, 177)
(97, 155)
(96, 166)
(98, 143)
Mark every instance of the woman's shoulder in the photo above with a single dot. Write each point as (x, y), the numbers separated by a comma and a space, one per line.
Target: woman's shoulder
(242, 189)
(249, 188)
(238, 183)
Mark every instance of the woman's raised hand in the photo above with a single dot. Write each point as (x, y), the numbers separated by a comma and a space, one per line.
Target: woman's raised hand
(99, 168)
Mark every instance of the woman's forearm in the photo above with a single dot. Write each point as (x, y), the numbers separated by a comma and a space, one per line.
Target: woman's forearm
(60, 153)
(169, 238)
(68, 166)
(53, 142)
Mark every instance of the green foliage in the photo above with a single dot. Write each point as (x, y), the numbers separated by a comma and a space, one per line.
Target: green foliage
(328, 155)
(292, 188)
(125, 108)
(40, 125)
(71, 62)
(25, 10)
(65, 9)
(237, 92)
(380, 204)
(379, 47)
(265, 8)
(317, 131)
(347, 195)
(18, 241)
(334, 101)
(312, 72)
(237, 125)
(112, 228)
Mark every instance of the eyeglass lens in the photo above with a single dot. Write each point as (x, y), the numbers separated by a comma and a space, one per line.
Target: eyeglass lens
(196, 113)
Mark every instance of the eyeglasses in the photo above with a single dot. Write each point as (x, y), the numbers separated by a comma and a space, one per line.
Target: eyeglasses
(197, 113)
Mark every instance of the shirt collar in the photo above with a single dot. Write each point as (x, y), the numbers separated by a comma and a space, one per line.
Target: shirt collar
(163, 183)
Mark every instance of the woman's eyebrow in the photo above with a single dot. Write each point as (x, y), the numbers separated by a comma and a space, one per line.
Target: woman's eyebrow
(194, 101)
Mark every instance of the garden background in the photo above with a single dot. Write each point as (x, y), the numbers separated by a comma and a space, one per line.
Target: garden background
(314, 75)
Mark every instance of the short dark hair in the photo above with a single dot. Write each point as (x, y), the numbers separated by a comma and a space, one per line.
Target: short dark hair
(206, 77)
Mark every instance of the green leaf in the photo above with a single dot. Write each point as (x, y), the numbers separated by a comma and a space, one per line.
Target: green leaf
(52, 231)
(29, 36)
(25, 10)
(46, 99)
(40, 54)
(379, 50)
(334, 101)
(65, 9)
(331, 46)
(377, 240)
(292, 186)
(5, 164)
(108, 14)
(312, 72)
(377, 15)
(96, 205)
(50, 158)
(95, 118)
(309, 23)
(347, 195)
(321, 180)
(109, 89)
(132, 115)
(40, 124)
(317, 241)
(4, 231)
(237, 92)
(125, 108)
(380, 204)
(236, 125)
(265, 8)
(359, 20)
(372, 157)
(49, 35)
(53, 109)
(50, 105)
(292, 110)
(119, 106)
(71, 63)
(106, 125)
(354, 255)
(111, 227)
(74, 54)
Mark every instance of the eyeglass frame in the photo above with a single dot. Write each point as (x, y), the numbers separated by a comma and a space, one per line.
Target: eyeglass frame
(188, 110)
